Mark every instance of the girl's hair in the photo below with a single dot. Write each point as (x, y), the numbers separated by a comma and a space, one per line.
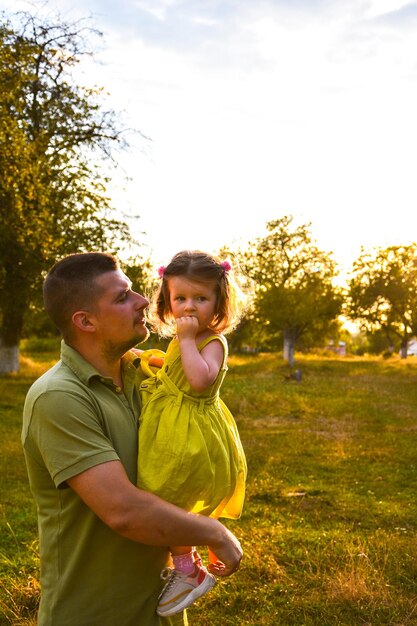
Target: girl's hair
(202, 268)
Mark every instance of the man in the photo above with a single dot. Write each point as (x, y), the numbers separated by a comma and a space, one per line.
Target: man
(103, 541)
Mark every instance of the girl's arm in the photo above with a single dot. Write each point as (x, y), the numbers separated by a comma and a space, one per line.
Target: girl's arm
(200, 368)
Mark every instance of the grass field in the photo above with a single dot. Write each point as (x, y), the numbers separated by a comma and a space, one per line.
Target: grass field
(329, 526)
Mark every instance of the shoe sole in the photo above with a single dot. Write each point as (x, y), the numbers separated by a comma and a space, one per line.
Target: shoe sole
(205, 586)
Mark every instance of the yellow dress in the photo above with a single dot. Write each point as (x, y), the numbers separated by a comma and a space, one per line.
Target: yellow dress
(190, 452)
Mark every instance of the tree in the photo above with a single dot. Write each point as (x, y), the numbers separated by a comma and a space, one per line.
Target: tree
(53, 137)
(383, 292)
(295, 295)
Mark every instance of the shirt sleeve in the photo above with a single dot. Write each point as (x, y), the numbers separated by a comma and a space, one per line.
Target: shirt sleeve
(66, 435)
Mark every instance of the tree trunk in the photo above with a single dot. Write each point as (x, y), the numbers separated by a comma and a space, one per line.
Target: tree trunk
(289, 347)
(404, 348)
(12, 312)
(9, 359)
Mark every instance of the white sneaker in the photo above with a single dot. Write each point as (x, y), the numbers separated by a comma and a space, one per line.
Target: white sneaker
(181, 590)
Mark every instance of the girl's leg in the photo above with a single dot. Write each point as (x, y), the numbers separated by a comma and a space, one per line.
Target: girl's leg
(212, 558)
(215, 566)
(183, 558)
(186, 583)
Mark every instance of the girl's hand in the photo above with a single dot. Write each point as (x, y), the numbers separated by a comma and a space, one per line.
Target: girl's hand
(187, 327)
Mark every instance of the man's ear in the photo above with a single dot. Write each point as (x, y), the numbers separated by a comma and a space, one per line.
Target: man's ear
(83, 321)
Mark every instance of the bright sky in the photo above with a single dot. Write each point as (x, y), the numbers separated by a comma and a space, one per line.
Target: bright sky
(258, 109)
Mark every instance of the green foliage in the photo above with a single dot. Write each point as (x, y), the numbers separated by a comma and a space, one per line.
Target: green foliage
(329, 524)
(41, 345)
(383, 292)
(379, 343)
(53, 134)
(295, 294)
(141, 272)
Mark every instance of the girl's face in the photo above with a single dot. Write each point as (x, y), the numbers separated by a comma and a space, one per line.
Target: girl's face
(190, 298)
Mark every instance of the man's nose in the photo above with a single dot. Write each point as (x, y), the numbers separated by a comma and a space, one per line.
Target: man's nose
(141, 301)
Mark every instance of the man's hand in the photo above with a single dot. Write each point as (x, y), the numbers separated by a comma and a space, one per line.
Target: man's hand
(225, 558)
(142, 516)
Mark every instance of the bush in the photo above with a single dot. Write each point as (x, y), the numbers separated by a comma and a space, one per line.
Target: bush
(37, 345)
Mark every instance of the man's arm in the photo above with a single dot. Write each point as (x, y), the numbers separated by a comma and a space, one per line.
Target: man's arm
(146, 518)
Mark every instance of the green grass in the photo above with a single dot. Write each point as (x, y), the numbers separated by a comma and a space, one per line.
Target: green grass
(330, 520)
(19, 587)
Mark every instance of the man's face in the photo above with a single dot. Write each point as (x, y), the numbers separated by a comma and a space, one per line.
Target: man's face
(119, 314)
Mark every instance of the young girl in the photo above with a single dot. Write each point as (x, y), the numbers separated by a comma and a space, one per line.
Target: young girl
(190, 452)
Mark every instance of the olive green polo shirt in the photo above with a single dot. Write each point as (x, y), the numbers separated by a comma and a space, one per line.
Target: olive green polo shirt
(73, 420)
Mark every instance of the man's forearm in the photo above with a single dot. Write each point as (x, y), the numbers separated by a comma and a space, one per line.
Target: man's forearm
(157, 522)
(146, 518)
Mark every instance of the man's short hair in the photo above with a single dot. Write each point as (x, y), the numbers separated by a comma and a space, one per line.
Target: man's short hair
(70, 286)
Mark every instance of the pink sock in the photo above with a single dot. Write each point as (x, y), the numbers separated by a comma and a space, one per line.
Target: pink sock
(184, 563)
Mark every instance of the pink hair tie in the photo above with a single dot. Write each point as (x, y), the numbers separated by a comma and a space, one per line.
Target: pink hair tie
(226, 266)
(161, 271)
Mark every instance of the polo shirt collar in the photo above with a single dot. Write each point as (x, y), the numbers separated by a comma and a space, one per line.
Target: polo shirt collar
(84, 370)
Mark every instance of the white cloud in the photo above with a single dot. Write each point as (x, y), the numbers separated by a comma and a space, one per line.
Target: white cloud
(377, 8)
(256, 110)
